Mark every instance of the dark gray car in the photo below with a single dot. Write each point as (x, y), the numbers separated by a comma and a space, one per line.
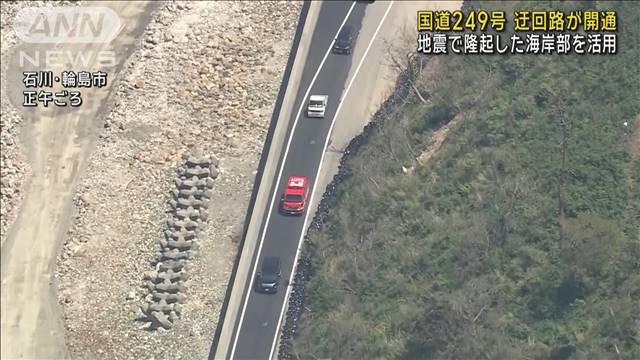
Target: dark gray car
(268, 279)
(344, 41)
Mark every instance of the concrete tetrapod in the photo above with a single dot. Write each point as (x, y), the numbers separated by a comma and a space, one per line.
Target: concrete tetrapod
(188, 204)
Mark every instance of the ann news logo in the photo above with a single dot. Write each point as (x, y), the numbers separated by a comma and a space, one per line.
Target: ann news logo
(80, 25)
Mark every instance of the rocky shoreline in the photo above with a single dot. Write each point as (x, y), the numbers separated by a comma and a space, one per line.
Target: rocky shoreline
(197, 84)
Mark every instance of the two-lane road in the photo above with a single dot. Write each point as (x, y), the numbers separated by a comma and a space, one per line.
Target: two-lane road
(257, 326)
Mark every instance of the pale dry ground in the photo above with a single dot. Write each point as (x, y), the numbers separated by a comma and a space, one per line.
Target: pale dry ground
(58, 145)
(377, 76)
(198, 80)
(431, 75)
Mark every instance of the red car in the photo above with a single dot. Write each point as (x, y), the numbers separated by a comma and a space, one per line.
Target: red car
(294, 199)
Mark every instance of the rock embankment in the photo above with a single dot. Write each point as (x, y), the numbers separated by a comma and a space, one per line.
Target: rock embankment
(304, 269)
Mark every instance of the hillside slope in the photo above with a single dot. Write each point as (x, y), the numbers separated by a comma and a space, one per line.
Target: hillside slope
(518, 238)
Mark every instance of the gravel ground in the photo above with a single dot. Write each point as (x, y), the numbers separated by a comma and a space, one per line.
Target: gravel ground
(13, 165)
(204, 80)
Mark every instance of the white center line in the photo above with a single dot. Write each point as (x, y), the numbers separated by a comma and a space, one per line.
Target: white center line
(273, 198)
(315, 183)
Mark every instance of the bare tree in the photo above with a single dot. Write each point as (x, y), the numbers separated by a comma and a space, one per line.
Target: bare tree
(402, 56)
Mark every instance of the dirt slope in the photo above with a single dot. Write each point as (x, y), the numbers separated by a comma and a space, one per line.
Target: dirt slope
(58, 143)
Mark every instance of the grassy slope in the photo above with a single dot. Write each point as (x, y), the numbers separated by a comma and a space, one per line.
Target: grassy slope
(469, 256)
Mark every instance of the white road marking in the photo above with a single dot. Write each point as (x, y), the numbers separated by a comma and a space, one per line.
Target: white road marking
(273, 198)
(315, 183)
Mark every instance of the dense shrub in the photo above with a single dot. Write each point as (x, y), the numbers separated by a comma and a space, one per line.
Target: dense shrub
(519, 239)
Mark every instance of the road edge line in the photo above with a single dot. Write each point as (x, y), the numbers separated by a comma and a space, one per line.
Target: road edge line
(260, 171)
(284, 160)
(306, 219)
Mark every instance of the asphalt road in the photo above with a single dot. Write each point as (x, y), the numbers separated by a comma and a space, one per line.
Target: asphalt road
(258, 327)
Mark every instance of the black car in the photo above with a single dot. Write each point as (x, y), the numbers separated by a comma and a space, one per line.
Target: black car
(344, 41)
(268, 279)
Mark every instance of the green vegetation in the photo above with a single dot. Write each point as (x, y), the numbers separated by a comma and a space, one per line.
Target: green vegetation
(518, 239)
